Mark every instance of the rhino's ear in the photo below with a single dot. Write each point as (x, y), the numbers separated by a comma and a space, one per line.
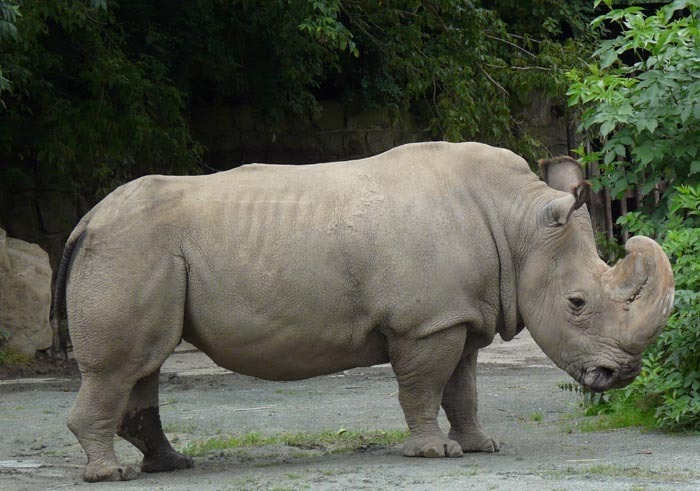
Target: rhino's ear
(561, 173)
(558, 211)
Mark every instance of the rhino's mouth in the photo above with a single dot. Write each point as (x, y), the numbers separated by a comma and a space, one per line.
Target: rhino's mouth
(598, 379)
(601, 378)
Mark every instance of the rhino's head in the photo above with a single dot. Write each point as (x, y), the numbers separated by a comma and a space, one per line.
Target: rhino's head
(592, 320)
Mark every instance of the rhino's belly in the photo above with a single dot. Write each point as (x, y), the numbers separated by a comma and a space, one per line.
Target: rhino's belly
(286, 354)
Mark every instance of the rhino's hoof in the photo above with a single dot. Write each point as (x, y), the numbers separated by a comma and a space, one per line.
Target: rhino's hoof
(171, 461)
(489, 445)
(475, 442)
(97, 473)
(494, 447)
(431, 447)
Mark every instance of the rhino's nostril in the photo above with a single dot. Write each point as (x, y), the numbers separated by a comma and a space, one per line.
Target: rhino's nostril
(599, 378)
(605, 373)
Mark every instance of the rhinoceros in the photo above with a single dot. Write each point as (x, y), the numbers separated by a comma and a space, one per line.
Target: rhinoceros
(418, 257)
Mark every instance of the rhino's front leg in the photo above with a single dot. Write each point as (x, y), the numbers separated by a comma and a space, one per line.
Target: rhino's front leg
(459, 401)
(423, 367)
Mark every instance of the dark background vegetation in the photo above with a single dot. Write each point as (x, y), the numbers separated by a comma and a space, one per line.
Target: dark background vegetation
(97, 92)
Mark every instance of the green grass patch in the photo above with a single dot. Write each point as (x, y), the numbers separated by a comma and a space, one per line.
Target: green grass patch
(286, 392)
(610, 470)
(218, 443)
(329, 441)
(9, 358)
(536, 417)
(345, 439)
(619, 416)
(333, 472)
(180, 428)
(634, 472)
(612, 410)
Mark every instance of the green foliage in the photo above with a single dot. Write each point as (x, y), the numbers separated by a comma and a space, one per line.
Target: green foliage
(616, 412)
(474, 65)
(609, 250)
(325, 27)
(273, 55)
(641, 108)
(641, 100)
(669, 385)
(671, 375)
(9, 11)
(100, 90)
(444, 55)
(81, 106)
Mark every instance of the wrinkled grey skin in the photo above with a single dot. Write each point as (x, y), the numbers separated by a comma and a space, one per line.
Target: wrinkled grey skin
(418, 256)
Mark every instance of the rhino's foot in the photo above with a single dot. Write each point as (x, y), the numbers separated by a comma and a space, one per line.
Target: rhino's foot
(103, 472)
(168, 461)
(431, 446)
(475, 441)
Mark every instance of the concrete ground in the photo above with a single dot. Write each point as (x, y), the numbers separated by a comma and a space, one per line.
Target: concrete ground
(521, 405)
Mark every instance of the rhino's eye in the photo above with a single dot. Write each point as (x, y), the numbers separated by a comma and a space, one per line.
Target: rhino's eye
(577, 303)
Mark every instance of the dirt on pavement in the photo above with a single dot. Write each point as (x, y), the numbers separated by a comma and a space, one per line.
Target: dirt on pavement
(521, 405)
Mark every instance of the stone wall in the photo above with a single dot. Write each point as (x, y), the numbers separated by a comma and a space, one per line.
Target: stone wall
(547, 122)
(43, 214)
(235, 135)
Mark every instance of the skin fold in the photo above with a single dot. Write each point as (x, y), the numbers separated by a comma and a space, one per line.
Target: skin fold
(418, 256)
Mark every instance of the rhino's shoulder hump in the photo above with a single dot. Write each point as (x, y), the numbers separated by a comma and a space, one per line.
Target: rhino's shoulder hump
(465, 151)
(489, 155)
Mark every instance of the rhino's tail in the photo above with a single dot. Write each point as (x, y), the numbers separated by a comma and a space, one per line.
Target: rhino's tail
(60, 342)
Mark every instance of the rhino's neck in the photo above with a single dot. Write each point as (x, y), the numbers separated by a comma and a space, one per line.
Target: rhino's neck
(513, 220)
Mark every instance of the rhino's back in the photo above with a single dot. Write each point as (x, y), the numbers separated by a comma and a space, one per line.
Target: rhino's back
(420, 173)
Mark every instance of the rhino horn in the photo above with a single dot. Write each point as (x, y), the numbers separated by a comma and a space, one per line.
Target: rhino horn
(643, 281)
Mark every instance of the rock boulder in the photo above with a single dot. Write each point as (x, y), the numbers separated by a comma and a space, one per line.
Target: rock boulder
(25, 295)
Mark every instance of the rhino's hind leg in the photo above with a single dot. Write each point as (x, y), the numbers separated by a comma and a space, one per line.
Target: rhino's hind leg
(422, 368)
(141, 426)
(124, 322)
(459, 401)
(93, 420)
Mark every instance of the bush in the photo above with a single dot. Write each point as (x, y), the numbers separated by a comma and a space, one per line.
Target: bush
(77, 106)
(644, 116)
(98, 92)
(8, 16)
(670, 378)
